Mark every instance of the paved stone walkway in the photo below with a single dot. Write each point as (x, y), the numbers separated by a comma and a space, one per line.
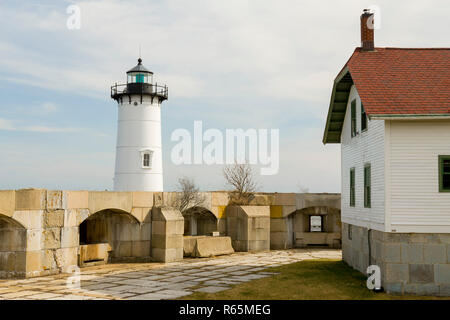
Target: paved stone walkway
(155, 281)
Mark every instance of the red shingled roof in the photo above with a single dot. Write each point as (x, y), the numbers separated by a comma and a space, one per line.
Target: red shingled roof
(402, 81)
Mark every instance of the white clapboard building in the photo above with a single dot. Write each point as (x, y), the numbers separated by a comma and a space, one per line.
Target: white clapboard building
(390, 111)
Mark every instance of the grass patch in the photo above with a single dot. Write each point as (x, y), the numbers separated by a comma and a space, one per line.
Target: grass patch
(305, 280)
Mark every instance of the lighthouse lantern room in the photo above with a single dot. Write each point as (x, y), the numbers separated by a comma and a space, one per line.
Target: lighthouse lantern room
(138, 151)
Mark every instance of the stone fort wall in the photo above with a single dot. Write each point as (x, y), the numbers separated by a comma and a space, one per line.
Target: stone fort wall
(47, 231)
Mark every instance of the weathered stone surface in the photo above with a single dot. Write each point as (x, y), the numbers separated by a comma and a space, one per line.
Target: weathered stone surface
(7, 202)
(95, 252)
(76, 199)
(261, 200)
(13, 239)
(397, 272)
(421, 273)
(212, 246)
(427, 289)
(33, 240)
(142, 199)
(101, 200)
(30, 199)
(423, 268)
(164, 241)
(285, 199)
(246, 224)
(66, 257)
(219, 199)
(189, 244)
(167, 234)
(123, 249)
(332, 200)
(448, 253)
(442, 273)
(51, 238)
(33, 262)
(435, 253)
(53, 218)
(412, 253)
(276, 212)
(54, 200)
(167, 255)
(140, 249)
(146, 232)
(80, 215)
(31, 219)
(394, 288)
(69, 237)
(444, 290)
(392, 252)
(278, 240)
(259, 245)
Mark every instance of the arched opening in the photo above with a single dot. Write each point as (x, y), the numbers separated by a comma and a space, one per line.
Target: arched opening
(315, 226)
(13, 245)
(199, 221)
(113, 235)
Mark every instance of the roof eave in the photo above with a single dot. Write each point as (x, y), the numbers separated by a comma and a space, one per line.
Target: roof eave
(334, 136)
(409, 116)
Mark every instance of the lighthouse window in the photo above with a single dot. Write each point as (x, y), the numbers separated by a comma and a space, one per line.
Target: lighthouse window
(147, 159)
(140, 78)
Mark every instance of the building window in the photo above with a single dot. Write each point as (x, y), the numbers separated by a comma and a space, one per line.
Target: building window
(444, 173)
(353, 118)
(363, 118)
(315, 223)
(352, 187)
(367, 183)
(349, 233)
(147, 159)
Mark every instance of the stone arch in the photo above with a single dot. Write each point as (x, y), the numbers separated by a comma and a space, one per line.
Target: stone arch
(111, 235)
(87, 214)
(315, 225)
(13, 246)
(199, 221)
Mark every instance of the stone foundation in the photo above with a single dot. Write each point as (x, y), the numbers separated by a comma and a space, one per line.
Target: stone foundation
(410, 263)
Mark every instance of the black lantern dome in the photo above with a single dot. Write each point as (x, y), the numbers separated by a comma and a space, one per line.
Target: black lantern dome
(139, 82)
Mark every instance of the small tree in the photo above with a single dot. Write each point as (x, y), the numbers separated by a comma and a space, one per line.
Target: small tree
(189, 195)
(240, 177)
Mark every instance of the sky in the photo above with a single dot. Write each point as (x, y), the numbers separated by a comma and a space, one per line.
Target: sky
(230, 64)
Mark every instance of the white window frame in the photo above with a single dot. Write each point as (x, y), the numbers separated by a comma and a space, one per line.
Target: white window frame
(147, 152)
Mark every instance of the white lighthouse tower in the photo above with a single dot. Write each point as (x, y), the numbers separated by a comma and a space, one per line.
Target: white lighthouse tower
(138, 151)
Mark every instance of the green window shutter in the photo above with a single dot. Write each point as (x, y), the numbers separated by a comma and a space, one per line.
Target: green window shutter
(367, 186)
(353, 118)
(444, 173)
(363, 118)
(352, 187)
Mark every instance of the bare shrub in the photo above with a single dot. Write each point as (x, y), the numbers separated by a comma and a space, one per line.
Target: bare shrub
(189, 195)
(241, 178)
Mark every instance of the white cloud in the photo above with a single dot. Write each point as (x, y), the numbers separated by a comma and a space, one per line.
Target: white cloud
(9, 125)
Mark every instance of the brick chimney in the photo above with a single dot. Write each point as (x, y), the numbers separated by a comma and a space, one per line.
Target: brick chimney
(367, 27)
